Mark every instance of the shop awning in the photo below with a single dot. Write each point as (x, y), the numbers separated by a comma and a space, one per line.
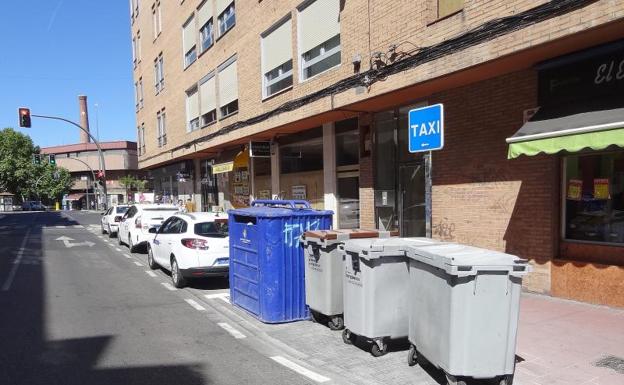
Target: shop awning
(74, 197)
(543, 134)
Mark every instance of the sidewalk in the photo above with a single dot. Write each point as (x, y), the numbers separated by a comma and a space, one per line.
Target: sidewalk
(559, 343)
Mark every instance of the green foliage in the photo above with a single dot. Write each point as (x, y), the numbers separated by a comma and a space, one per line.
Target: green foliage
(129, 182)
(21, 177)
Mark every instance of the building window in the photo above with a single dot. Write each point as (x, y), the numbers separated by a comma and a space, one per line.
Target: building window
(204, 20)
(136, 95)
(141, 139)
(156, 19)
(134, 9)
(594, 197)
(319, 36)
(134, 51)
(159, 73)
(208, 100)
(188, 42)
(302, 152)
(228, 88)
(140, 93)
(321, 58)
(160, 125)
(449, 7)
(192, 110)
(227, 16)
(138, 46)
(277, 58)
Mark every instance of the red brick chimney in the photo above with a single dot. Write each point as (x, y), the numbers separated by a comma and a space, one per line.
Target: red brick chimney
(84, 119)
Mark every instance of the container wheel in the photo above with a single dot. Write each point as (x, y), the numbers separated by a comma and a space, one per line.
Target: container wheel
(316, 317)
(452, 380)
(412, 355)
(506, 379)
(336, 323)
(379, 348)
(347, 337)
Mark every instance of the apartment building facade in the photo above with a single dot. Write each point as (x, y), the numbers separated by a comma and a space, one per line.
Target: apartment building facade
(238, 100)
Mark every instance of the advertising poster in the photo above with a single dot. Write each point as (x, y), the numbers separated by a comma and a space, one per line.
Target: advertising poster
(575, 188)
(601, 188)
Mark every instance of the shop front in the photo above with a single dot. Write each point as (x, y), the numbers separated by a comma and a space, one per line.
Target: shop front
(581, 121)
(174, 182)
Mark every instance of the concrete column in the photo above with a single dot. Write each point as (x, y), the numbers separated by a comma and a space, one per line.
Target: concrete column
(329, 171)
(84, 119)
(275, 170)
(197, 197)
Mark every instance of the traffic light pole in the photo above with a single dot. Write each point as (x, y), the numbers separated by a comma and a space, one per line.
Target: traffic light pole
(102, 163)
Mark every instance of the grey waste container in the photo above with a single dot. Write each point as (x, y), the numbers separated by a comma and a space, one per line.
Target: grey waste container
(375, 289)
(463, 317)
(323, 271)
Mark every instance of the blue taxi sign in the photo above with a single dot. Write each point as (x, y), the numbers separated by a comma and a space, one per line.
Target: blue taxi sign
(426, 128)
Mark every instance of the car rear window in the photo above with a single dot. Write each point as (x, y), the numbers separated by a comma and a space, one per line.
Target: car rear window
(212, 229)
(122, 210)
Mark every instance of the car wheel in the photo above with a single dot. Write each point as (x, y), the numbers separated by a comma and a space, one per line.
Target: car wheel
(176, 276)
(103, 231)
(130, 244)
(110, 233)
(119, 239)
(150, 258)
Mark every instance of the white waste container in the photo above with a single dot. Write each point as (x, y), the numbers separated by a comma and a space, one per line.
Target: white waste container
(463, 310)
(376, 279)
(323, 271)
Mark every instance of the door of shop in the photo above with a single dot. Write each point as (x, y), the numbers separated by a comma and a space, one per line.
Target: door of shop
(412, 201)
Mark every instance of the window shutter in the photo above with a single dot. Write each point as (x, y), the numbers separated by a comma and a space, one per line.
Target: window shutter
(204, 13)
(208, 94)
(188, 35)
(319, 21)
(277, 47)
(193, 105)
(228, 84)
(222, 5)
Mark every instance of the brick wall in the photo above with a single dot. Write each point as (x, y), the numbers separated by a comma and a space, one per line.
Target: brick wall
(479, 196)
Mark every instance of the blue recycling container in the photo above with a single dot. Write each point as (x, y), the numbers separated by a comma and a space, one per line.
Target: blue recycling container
(266, 259)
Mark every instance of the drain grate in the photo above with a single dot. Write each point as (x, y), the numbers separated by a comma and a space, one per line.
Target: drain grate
(611, 362)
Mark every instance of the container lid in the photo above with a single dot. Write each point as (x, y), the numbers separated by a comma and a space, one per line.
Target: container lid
(458, 259)
(344, 234)
(373, 248)
(273, 212)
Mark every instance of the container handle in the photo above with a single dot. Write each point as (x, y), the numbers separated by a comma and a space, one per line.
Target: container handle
(293, 203)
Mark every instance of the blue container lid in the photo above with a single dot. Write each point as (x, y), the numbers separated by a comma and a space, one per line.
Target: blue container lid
(279, 208)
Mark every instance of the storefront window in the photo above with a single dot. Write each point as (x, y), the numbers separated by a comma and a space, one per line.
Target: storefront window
(594, 197)
(303, 155)
(347, 143)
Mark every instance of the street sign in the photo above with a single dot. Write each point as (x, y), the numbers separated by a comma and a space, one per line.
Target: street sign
(260, 149)
(426, 128)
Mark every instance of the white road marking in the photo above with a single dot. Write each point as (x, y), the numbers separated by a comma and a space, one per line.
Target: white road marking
(235, 333)
(300, 369)
(59, 227)
(128, 256)
(16, 263)
(195, 305)
(169, 286)
(150, 273)
(67, 241)
(138, 263)
(78, 227)
(118, 249)
(225, 297)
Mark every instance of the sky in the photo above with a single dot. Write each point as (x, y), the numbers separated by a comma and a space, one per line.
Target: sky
(51, 51)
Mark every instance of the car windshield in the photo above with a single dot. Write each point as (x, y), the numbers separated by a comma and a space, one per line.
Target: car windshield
(212, 229)
(161, 209)
(122, 210)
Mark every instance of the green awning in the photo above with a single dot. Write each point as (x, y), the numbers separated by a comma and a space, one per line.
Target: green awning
(596, 130)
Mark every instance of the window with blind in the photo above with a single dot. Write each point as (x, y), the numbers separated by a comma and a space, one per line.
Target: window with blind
(140, 93)
(449, 7)
(159, 74)
(204, 20)
(228, 88)
(208, 100)
(188, 42)
(276, 44)
(319, 36)
(192, 110)
(162, 130)
(156, 19)
(227, 15)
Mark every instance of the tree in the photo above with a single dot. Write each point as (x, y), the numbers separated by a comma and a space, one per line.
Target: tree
(16, 166)
(127, 181)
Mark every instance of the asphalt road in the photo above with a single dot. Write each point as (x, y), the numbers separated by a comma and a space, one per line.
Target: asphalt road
(72, 312)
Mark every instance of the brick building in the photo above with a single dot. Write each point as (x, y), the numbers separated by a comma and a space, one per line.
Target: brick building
(533, 99)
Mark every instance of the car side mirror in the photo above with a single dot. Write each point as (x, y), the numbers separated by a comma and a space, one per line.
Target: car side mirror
(153, 230)
(102, 213)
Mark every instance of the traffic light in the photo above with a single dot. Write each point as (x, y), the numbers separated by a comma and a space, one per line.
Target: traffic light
(36, 159)
(24, 117)
(99, 175)
(52, 159)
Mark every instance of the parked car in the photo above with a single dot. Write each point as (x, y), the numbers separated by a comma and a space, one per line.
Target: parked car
(33, 206)
(136, 222)
(191, 246)
(111, 219)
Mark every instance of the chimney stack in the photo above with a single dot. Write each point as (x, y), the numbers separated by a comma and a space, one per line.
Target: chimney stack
(84, 119)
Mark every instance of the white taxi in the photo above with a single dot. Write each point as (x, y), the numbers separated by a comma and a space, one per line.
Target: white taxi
(191, 245)
(139, 219)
